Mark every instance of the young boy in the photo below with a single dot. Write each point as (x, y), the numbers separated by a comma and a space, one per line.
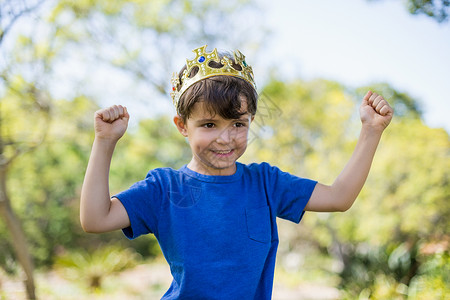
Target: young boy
(215, 218)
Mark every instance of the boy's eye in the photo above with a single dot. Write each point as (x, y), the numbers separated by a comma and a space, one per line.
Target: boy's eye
(208, 125)
(239, 124)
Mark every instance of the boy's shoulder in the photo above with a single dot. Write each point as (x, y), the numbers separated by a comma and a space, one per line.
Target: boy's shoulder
(164, 170)
(259, 165)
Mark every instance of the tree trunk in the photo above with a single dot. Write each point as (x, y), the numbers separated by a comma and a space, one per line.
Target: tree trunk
(17, 235)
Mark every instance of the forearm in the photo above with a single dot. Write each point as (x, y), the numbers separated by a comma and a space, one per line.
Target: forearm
(350, 181)
(95, 200)
(376, 114)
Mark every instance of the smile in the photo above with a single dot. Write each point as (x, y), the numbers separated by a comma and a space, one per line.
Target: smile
(223, 152)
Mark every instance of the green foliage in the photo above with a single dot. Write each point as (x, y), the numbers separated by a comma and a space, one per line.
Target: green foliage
(91, 267)
(433, 280)
(24, 116)
(437, 10)
(44, 183)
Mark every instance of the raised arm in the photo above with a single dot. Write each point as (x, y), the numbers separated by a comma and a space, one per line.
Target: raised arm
(376, 114)
(98, 212)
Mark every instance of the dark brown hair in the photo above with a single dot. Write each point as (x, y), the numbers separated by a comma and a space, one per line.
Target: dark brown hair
(222, 94)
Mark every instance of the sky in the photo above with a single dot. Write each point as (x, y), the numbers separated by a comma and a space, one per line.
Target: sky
(358, 42)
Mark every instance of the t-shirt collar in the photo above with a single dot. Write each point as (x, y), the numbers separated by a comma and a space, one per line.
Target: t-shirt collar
(214, 178)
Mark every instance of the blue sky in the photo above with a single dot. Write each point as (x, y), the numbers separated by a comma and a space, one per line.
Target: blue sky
(357, 42)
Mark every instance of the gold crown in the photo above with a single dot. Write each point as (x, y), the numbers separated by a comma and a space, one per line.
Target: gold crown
(202, 60)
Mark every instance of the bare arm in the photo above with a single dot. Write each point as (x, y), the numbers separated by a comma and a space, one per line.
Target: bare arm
(376, 115)
(98, 212)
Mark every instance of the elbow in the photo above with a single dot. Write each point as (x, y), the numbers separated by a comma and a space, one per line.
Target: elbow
(344, 202)
(89, 224)
(343, 208)
(87, 227)
(341, 205)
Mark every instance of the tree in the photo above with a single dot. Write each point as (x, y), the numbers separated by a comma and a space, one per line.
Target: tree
(19, 96)
(11, 11)
(17, 100)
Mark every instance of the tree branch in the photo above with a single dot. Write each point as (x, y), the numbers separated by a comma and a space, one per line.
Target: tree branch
(16, 16)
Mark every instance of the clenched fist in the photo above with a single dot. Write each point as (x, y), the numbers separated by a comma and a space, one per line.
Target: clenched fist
(375, 111)
(111, 123)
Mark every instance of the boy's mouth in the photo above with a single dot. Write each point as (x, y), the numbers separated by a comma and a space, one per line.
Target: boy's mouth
(223, 152)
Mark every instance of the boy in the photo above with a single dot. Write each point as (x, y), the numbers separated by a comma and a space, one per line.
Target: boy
(215, 218)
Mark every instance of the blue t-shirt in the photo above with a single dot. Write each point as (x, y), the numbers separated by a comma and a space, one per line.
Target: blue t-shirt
(218, 233)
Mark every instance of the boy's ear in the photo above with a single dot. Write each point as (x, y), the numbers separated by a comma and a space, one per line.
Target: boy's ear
(181, 125)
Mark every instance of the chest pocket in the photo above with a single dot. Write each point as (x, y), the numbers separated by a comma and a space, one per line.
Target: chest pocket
(258, 224)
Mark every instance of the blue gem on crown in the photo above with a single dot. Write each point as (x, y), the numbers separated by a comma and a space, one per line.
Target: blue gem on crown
(201, 59)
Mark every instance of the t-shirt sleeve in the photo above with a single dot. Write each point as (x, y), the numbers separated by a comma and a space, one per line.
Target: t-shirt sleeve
(290, 194)
(142, 202)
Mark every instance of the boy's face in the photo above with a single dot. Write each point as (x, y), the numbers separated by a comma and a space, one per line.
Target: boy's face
(216, 143)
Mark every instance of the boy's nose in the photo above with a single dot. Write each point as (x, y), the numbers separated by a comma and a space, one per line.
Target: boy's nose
(225, 136)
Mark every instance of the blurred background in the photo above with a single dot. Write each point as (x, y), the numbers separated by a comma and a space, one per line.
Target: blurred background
(313, 61)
